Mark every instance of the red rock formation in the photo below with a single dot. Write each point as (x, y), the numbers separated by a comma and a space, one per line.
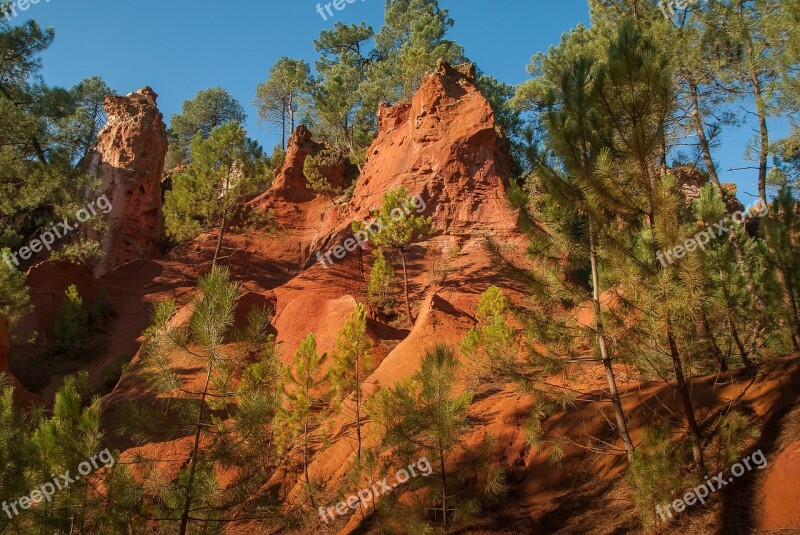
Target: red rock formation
(129, 160)
(290, 182)
(303, 216)
(691, 180)
(444, 146)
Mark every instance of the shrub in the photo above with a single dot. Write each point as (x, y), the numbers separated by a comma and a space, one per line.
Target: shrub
(77, 324)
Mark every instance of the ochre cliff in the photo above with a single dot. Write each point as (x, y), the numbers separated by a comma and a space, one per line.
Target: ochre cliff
(129, 161)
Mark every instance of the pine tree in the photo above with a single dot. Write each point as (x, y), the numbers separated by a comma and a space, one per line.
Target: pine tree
(284, 96)
(210, 193)
(228, 426)
(314, 168)
(781, 231)
(352, 363)
(381, 290)
(492, 345)
(17, 453)
(46, 133)
(400, 229)
(704, 92)
(207, 111)
(646, 199)
(412, 39)
(70, 437)
(340, 115)
(424, 417)
(14, 297)
(573, 214)
(303, 382)
(652, 473)
(727, 296)
(71, 329)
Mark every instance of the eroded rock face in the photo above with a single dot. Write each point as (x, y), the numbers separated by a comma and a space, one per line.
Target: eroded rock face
(444, 146)
(129, 160)
(691, 181)
(290, 182)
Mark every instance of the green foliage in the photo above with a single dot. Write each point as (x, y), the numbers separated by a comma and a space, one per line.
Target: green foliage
(14, 297)
(401, 227)
(492, 345)
(314, 169)
(84, 251)
(655, 475)
(207, 111)
(381, 290)
(34, 446)
(69, 437)
(500, 96)
(413, 39)
(782, 239)
(734, 430)
(233, 424)
(340, 115)
(284, 96)
(72, 323)
(358, 70)
(422, 417)
(77, 324)
(112, 373)
(398, 228)
(297, 419)
(46, 133)
(211, 193)
(352, 363)
(17, 450)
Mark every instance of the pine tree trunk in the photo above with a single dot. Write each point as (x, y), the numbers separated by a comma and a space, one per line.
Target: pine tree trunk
(709, 334)
(291, 113)
(187, 503)
(223, 224)
(762, 177)
(763, 132)
(735, 334)
(444, 482)
(619, 414)
(358, 410)
(405, 285)
(780, 274)
(761, 303)
(218, 248)
(305, 442)
(283, 127)
(791, 304)
(686, 399)
(682, 385)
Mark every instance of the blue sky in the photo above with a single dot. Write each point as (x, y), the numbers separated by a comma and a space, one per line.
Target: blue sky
(179, 46)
